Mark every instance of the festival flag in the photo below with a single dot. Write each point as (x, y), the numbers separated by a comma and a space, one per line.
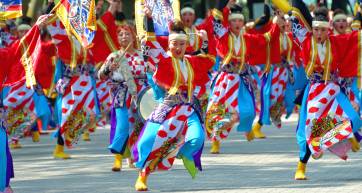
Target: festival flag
(10, 9)
(79, 19)
(301, 20)
(163, 11)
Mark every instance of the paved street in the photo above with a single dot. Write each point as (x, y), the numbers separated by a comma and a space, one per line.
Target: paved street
(261, 166)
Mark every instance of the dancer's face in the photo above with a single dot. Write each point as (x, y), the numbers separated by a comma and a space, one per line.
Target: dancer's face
(283, 25)
(236, 25)
(320, 33)
(340, 25)
(177, 48)
(125, 38)
(188, 19)
(22, 33)
(288, 26)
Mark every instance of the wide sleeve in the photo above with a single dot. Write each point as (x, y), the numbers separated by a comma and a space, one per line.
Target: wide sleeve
(4, 65)
(105, 41)
(26, 48)
(347, 53)
(44, 65)
(207, 25)
(202, 64)
(263, 48)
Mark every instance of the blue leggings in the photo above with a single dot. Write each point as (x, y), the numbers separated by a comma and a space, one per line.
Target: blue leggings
(195, 137)
(118, 143)
(194, 140)
(3, 159)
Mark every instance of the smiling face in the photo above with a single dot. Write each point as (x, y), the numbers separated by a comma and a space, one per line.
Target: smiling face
(125, 37)
(188, 19)
(177, 48)
(236, 25)
(340, 25)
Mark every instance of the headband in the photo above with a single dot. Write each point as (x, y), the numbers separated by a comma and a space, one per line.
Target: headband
(236, 16)
(324, 24)
(177, 36)
(339, 17)
(187, 10)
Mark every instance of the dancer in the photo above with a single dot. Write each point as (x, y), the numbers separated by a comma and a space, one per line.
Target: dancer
(327, 118)
(173, 130)
(233, 85)
(188, 18)
(127, 71)
(76, 106)
(275, 80)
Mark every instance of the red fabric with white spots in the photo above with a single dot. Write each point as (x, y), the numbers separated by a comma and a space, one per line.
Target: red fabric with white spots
(20, 104)
(173, 131)
(20, 97)
(78, 96)
(322, 102)
(225, 93)
(136, 63)
(279, 84)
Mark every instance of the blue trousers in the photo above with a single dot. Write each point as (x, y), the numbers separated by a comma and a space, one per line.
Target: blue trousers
(194, 140)
(121, 133)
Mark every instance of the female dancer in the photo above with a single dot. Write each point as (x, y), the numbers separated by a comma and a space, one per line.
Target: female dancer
(174, 128)
(127, 71)
(328, 118)
(232, 98)
(76, 105)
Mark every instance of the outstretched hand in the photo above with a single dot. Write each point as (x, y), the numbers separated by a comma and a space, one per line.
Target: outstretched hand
(203, 35)
(41, 22)
(231, 3)
(147, 11)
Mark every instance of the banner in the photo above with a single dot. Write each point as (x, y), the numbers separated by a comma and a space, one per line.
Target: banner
(163, 11)
(10, 9)
(79, 19)
(301, 20)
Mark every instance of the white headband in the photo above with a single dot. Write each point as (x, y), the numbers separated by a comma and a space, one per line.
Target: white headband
(339, 17)
(236, 16)
(187, 10)
(177, 36)
(324, 24)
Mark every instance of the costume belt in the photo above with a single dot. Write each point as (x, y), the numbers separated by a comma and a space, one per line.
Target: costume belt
(78, 70)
